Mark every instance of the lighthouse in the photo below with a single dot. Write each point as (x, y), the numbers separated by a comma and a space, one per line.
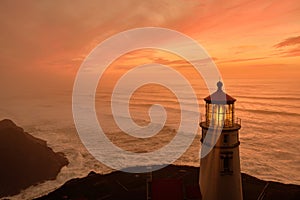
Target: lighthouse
(220, 174)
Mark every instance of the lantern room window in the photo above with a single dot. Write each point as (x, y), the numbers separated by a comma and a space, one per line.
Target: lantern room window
(220, 114)
(220, 108)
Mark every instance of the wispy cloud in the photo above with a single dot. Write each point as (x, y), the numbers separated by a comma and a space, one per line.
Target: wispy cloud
(289, 42)
(242, 60)
(290, 52)
(289, 47)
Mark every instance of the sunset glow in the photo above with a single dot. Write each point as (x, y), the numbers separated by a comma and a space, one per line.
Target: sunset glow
(44, 39)
(52, 87)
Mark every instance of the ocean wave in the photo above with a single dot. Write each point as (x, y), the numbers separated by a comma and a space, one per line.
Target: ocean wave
(269, 112)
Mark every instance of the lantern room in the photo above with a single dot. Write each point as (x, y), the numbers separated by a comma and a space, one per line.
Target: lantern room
(219, 108)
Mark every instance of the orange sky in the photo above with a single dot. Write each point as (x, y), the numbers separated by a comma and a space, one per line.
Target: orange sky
(44, 42)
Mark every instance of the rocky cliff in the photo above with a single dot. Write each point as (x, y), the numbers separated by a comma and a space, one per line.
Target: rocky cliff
(24, 159)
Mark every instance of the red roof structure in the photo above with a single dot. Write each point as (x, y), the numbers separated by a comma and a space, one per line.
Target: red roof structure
(167, 189)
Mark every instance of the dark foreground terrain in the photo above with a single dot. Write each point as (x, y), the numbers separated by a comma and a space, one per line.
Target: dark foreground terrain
(25, 160)
(168, 183)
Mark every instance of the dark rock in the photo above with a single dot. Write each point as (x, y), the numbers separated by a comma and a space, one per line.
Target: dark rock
(25, 160)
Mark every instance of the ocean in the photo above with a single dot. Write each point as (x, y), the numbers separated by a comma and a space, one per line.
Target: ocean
(270, 139)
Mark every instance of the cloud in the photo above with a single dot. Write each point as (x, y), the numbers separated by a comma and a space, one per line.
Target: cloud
(241, 49)
(53, 34)
(288, 42)
(48, 31)
(289, 47)
(244, 17)
(242, 60)
(290, 52)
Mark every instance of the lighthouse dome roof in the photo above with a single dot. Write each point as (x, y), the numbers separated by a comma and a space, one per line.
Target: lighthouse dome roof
(219, 97)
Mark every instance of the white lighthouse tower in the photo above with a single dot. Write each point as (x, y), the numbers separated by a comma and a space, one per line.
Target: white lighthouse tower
(220, 174)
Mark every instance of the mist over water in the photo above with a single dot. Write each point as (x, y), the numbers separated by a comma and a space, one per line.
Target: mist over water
(270, 139)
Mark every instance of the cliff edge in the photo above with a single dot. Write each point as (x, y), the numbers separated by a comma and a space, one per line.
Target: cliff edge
(25, 160)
